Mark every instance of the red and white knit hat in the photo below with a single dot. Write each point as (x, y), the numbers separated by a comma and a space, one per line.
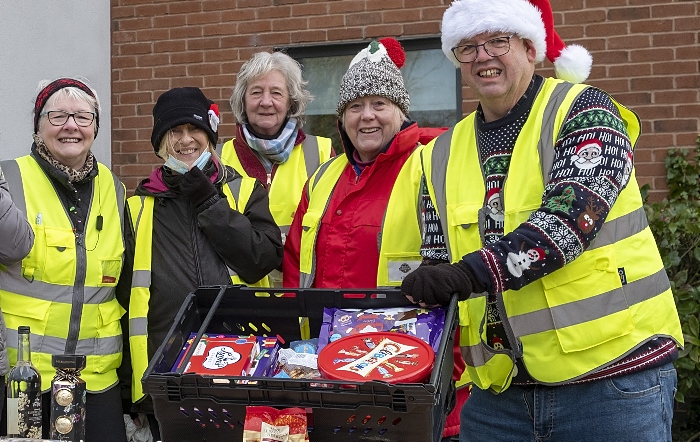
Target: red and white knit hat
(375, 71)
(529, 19)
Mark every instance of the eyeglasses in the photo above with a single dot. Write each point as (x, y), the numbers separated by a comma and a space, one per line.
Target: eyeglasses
(495, 48)
(59, 118)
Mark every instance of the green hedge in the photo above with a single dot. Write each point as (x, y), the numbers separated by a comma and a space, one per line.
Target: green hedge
(675, 223)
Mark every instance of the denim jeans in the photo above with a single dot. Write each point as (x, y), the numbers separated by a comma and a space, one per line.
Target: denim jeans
(635, 407)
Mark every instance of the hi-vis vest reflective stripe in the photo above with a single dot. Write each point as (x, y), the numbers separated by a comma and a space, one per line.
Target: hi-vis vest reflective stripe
(141, 210)
(285, 190)
(580, 317)
(64, 289)
(400, 238)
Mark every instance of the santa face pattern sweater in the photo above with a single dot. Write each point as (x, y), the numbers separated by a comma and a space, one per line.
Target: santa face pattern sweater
(591, 167)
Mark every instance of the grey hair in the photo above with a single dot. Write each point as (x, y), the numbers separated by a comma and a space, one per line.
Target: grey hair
(262, 63)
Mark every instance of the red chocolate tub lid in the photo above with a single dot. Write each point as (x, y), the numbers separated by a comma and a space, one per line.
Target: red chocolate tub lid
(377, 356)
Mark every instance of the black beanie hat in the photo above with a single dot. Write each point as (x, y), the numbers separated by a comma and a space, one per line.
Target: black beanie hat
(183, 105)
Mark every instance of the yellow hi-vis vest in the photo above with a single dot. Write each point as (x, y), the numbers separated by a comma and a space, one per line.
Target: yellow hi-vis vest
(141, 211)
(581, 317)
(290, 177)
(399, 248)
(64, 289)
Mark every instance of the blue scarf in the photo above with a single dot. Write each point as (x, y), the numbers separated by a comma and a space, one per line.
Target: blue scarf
(278, 149)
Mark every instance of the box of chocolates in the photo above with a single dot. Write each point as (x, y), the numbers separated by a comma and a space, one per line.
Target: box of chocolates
(389, 357)
(229, 355)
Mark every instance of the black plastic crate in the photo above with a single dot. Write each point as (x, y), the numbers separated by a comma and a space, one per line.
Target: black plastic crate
(192, 407)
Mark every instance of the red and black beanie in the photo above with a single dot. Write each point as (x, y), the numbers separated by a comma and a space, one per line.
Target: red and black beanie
(54, 87)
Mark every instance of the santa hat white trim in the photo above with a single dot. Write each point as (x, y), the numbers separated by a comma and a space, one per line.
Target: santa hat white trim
(573, 64)
(531, 20)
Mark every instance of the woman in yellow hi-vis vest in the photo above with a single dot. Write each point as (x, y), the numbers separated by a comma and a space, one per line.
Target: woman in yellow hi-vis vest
(194, 222)
(64, 290)
(269, 102)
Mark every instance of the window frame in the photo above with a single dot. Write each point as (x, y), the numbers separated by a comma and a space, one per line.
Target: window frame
(335, 49)
(351, 48)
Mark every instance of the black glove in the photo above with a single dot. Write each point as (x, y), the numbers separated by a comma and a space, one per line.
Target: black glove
(197, 188)
(434, 285)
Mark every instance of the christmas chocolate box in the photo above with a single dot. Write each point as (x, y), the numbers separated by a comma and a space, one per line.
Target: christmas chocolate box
(390, 357)
(230, 355)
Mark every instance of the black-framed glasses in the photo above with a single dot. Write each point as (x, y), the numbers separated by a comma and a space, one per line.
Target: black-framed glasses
(495, 48)
(59, 118)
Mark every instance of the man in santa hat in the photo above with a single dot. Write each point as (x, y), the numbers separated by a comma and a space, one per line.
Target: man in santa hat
(580, 345)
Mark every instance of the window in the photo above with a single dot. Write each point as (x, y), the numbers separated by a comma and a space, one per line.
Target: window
(431, 79)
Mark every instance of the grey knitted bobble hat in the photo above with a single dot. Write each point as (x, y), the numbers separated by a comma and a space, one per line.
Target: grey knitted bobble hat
(375, 71)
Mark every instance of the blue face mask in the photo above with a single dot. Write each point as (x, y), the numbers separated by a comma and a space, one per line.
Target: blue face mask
(180, 167)
(176, 165)
(202, 160)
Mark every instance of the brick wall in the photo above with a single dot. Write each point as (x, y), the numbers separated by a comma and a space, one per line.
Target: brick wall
(645, 52)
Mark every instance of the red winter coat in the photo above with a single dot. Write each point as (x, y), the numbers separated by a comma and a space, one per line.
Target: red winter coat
(347, 251)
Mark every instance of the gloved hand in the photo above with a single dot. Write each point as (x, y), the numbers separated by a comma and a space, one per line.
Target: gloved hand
(197, 187)
(434, 285)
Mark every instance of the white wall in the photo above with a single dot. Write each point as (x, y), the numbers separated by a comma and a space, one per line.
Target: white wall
(47, 39)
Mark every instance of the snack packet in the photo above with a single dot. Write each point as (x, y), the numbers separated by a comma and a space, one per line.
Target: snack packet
(424, 323)
(267, 424)
(305, 346)
(291, 364)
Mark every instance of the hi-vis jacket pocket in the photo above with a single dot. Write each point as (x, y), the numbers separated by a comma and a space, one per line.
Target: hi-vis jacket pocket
(59, 260)
(110, 270)
(587, 301)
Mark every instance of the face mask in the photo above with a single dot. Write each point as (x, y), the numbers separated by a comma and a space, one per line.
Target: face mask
(180, 167)
(176, 165)
(202, 160)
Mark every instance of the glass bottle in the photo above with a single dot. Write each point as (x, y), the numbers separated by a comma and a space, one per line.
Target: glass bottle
(24, 392)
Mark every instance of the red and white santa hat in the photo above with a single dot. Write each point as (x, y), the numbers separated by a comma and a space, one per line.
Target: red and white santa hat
(589, 144)
(529, 19)
(492, 194)
(536, 254)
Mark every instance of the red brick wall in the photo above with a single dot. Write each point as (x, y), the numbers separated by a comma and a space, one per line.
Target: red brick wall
(645, 52)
